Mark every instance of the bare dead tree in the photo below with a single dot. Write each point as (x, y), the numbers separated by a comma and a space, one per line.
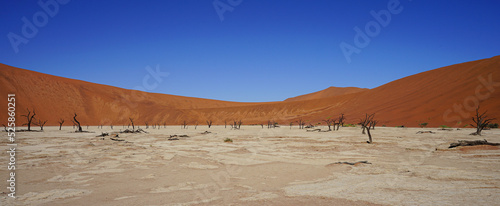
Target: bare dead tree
(77, 123)
(481, 121)
(239, 124)
(341, 121)
(209, 123)
(301, 123)
(184, 124)
(131, 122)
(225, 123)
(330, 122)
(291, 123)
(61, 122)
(5, 128)
(374, 123)
(147, 124)
(41, 123)
(164, 124)
(111, 126)
(367, 124)
(29, 118)
(196, 125)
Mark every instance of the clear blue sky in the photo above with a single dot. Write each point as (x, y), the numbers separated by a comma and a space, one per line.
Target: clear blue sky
(263, 50)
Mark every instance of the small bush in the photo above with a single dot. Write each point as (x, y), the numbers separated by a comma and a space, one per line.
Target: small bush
(424, 124)
(349, 125)
(444, 126)
(495, 125)
(228, 140)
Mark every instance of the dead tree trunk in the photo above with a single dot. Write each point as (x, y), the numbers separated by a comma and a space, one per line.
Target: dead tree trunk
(367, 124)
(78, 123)
(301, 123)
(481, 121)
(132, 122)
(61, 122)
(29, 118)
(184, 124)
(341, 121)
(330, 122)
(41, 123)
(209, 123)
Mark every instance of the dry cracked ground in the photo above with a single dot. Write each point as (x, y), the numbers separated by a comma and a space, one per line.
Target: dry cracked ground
(280, 166)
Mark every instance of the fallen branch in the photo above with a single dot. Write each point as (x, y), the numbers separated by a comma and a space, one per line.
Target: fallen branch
(472, 143)
(313, 130)
(353, 163)
(422, 132)
(103, 134)
(116, 139)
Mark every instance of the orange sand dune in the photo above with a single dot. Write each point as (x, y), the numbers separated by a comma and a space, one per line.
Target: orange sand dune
(328, 92)
(444, 96)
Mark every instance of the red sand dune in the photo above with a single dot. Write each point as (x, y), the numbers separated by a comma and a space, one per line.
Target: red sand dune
(328, 92)
(443, 96)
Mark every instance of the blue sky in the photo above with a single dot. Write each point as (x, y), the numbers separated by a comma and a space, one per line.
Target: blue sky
(263, 50)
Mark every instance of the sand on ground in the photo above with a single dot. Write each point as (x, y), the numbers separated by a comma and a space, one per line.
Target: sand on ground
(280, 166)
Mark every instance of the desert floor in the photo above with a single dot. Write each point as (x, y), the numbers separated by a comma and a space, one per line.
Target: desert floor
(280, 166)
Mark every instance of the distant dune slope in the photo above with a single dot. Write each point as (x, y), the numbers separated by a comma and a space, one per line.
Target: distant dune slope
(328, 92)
(443, 96)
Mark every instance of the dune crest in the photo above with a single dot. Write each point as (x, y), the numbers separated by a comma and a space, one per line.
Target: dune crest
(443, 96)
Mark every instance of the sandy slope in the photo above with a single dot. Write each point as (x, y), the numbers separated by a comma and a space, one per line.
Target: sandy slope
(426, 97)
(279, 166)
(328, 92)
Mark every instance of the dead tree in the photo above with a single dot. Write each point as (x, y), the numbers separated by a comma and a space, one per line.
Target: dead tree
(41, 123)
(367, 124)
(301, 123)
(147, 124)
(77, 123)
(225, 123)
(239, 124)
(5, 128)
(164, 124)
(209, 123)
(184, 124)
(329, 122)
(196, 125)
(341, 121)
(481, 121)
(132, 122)
(111, 126)
(29, 118)
(374, 123)
(291, 123)
(61, 122)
